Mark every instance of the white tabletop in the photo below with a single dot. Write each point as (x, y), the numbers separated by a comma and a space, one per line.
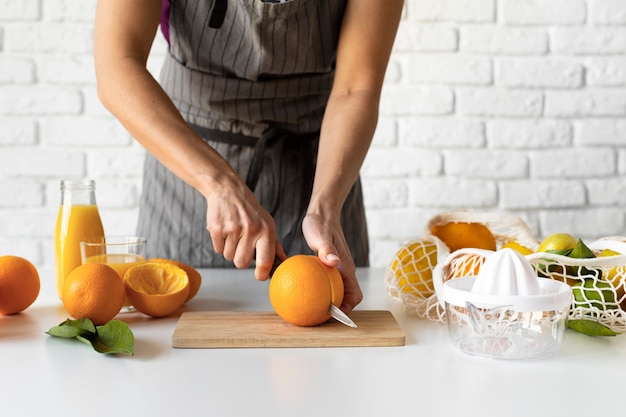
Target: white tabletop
(41, 375)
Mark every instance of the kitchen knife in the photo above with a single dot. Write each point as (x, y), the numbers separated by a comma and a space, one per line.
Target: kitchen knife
(277, 262)
(340, 316)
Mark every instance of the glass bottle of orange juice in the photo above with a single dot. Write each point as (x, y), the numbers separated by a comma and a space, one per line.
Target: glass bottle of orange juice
(78, 218)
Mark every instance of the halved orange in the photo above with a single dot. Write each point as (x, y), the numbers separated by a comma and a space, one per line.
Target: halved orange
(156, 288)
(195, 279)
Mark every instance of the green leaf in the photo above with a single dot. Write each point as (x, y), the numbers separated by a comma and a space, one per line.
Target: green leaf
(581, 251)
(86, 339)
(73, 328)
(590, 328)
(114, 337)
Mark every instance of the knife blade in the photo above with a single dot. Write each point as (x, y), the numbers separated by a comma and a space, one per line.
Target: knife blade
(340, 316)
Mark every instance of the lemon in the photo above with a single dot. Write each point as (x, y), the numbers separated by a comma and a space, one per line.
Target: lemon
(608, 252)
(558, 242)
(615, 276)
(616, 273)
(413, 267)
(517, 247)
(612, 275)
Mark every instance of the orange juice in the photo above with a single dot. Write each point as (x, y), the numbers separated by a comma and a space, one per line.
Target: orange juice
(121, 262)
(74, 222)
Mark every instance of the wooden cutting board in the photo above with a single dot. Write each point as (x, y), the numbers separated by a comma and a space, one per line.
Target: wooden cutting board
(247, 329)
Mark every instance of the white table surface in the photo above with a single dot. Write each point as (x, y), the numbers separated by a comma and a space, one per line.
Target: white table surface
(45, 376)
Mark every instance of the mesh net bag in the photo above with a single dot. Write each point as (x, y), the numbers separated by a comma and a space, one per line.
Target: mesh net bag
(409, 264)
(598, 284)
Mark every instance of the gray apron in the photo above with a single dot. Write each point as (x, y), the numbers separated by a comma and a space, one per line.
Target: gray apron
(228, 81)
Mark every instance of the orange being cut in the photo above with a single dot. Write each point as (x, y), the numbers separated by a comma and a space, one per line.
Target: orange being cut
(302, 289)
(93, 291)
(19, 284)
(156, 289)
(465, 235)
(195, 279)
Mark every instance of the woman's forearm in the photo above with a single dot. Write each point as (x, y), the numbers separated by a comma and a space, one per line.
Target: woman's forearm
(345, 138)
(352, 111)
(140, 104)
(128, 91)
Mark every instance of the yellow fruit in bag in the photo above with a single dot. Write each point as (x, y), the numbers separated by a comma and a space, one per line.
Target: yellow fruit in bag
(558, 242)
(612, 275)
(517, 247)
(616, 276)
(413, 267)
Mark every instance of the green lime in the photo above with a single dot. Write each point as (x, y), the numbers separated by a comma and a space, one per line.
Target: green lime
(594, 293)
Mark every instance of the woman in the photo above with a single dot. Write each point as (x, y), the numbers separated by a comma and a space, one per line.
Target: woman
(260, 123)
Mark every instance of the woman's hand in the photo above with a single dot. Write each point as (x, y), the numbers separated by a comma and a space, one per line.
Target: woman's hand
(328, 241)
(240, 228)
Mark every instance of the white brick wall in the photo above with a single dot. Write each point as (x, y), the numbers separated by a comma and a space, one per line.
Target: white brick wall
(514, 105)
(495, 105)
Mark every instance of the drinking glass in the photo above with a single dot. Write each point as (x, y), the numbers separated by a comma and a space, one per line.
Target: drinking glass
(119, 252)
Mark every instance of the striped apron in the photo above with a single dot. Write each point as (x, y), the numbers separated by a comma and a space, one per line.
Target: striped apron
(252, 79)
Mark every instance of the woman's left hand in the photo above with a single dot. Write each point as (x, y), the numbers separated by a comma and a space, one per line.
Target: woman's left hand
(328, 241)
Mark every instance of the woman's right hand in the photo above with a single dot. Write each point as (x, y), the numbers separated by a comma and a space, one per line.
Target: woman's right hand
(240, 228)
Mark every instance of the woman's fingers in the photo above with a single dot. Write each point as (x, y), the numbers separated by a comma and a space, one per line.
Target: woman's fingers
(241, 230)
(328, 241)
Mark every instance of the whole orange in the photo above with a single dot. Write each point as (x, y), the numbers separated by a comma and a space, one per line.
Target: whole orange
(195, 279)
(93, 291)
(19, 284)
(465, 235)
(303, 288)
(156, 289)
